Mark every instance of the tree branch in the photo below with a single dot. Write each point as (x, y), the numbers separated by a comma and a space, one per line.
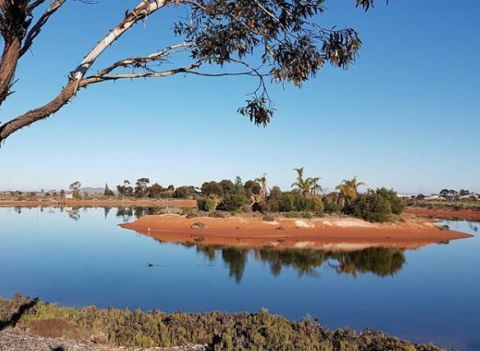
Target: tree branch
(37, 27)
(138, 61)
(102, 78)
(140, 12)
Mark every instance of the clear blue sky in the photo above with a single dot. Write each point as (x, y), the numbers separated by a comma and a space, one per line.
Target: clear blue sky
(406, 115)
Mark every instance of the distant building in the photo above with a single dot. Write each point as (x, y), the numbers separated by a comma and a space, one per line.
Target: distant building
(405, 196)
(468, 197)
(69, 196)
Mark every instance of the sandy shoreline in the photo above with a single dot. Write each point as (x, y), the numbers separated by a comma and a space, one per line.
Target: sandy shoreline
(469, 215)
(328, 233)
(181, 203)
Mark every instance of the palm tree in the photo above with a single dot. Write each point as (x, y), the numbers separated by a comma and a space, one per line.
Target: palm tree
(308, 186)
(348, 190)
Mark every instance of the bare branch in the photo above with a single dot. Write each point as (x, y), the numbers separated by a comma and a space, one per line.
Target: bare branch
(140, 12)
(37, 27)
(162, 74)
(136, 61)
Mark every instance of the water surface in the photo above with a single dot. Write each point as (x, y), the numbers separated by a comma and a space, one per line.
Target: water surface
(79, 257)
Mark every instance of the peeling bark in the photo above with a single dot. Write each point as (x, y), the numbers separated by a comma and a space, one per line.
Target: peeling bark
(8, 66)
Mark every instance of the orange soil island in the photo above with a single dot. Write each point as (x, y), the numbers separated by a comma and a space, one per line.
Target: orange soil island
(468, 215)
(327, 233)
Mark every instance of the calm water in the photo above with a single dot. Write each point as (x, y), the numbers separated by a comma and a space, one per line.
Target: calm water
(79, 258)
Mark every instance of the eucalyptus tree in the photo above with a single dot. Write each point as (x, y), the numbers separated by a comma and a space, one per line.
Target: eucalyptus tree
(270, 40)
(75, 188)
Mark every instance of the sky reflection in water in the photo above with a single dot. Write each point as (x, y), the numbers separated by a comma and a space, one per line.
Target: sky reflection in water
(80, 257)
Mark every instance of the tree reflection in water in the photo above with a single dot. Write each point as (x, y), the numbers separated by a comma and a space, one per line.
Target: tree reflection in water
(379, 261)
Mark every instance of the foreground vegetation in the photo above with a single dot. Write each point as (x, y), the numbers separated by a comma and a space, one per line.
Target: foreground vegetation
(219, 331)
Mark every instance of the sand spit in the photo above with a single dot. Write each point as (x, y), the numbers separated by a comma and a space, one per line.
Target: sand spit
(328, 233)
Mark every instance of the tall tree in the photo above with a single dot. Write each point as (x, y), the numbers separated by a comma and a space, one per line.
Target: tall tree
(107, 191)
(141, 187)
(306, 186)
(75, 188)
(348, 190)
(277, 40)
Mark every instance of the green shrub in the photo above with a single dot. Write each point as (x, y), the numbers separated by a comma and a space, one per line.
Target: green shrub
(378, 205)
(396, 203)
(373, 208)
(286, 202)
(207, 204)
(232, 202)
(212, 189)
(294, 201)
(313, 204)
(219, 331)
(273, 201)
(332, 207)
(184, 192)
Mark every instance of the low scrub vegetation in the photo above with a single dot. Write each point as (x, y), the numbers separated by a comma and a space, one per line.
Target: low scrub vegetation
(219, 331)
(378, 205)
(455, 205)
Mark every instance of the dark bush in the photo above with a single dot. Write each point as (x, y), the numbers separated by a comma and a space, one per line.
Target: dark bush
(184, 192)
(378, 205)
(252, 188)
(273, 201)
(232, 202)
(332, 207)
(286, 202)
(212, 189)
(227, 186)
(373, 208)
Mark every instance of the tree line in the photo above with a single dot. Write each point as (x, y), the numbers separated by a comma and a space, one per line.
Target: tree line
(306, 197)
